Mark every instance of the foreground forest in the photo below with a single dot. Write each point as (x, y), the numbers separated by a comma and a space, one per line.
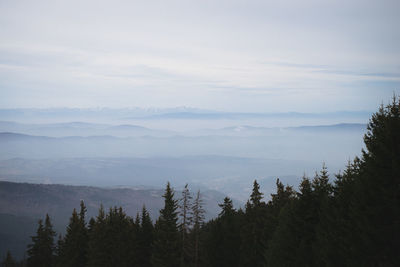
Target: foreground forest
(348, 219)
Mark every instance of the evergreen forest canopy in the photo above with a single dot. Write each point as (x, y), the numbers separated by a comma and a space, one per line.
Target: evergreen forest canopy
(352, 221)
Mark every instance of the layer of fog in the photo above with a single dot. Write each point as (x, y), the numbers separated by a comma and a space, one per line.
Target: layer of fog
(220, 151)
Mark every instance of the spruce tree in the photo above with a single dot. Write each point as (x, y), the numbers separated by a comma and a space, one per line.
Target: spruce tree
(185, 225)
(223, 241)
(198, 219)
(98, 244)
(58, 250)
(321, 186)
(41, 251)
(253, 239)
(145, 240)
(121, 239)
(332, 246)
(9, 261)
(291, 242)
(227, 209)
(73, 251)
(112, 239)
(278, 200)
(256, 196)
(166, 245)
(283, 196)
(375, 210)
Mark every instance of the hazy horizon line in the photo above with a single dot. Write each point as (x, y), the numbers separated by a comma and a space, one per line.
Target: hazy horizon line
(187, 109)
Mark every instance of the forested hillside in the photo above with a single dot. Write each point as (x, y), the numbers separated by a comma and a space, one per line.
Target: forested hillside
(348, 219)
(23, 204)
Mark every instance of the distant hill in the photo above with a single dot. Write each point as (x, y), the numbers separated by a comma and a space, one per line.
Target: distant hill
(23, 204)
(230, 175)
(84, 129)
(335, 127)
(216, 115)
(340, 142)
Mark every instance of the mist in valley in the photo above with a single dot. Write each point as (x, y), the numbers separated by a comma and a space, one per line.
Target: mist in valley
(246, 102)
(180, 146)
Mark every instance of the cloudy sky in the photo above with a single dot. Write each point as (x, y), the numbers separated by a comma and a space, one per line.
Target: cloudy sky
(260, 56)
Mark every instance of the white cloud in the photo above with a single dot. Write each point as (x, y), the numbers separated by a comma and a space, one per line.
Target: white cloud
(245, 55)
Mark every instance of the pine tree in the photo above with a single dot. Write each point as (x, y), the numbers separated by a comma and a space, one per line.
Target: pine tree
(227, 209)
(198, 219)
(166, 241)
(223, 241)
(73, 251)
(9, 261)
(186, 222)
(375, 210)
(321, 186)
(332, 246)
(41, 251)
(58, 250)
(145, 240)
(98, 244)
(291, 242)
(112, 239)
(252, 232)
(283, 196)
(256, 196)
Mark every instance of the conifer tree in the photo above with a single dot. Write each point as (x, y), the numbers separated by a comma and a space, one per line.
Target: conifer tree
(91, 225)
(223, 241)
(166, 240)
(256, 196)
(145, 240)
(98, 245)
(58, 250)
(184, 227)
(283, 196)
(227, 209)
(9, 261)
(252, 232)
(112, 239)
(198, 219)
(41, 251)
(73, 251)
(291, 242)
(332, 246)
(321, 186)
(375, 210)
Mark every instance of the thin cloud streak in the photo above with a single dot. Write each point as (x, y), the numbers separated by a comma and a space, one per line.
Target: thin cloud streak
(216, 55)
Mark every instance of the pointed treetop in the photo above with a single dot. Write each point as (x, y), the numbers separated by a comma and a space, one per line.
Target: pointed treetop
(305, 186)
(320, 182)
(137, 219)
(9, 260)
(102, 215)
(146, 220)
(256, 195)
(169, 212)
(227, 207)
(82, 212)
(198, 211)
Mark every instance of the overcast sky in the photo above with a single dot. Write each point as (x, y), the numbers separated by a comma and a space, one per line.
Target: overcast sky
(265, 56)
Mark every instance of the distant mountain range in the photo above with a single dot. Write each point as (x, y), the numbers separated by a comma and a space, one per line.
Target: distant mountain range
(81, 129)
(57, 114)
(84, 129)
(249, 115)
(22, 205)
(131, 153)
(85, 140)
(231, 175)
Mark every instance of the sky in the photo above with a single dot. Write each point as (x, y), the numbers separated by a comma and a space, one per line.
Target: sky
(249, 56)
